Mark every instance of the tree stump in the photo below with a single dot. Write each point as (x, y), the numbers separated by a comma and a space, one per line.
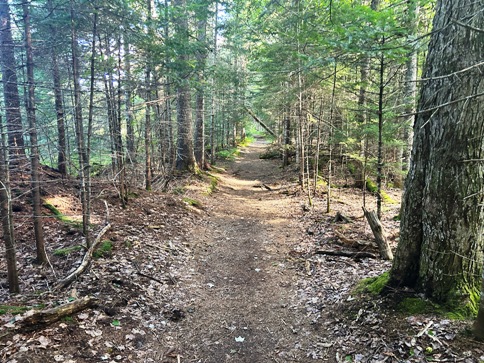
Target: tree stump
(379, 233)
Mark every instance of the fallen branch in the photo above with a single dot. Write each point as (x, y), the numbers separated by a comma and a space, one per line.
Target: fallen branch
(379, 233)
(354, 255)
(85, 261)
(138, 271)
(259, 121)
(340, 217)
(45, 317)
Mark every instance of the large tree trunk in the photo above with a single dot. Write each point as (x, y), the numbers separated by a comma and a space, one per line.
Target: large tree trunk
(10, 84)
(34, 147)
(185, 157)
(442, 228)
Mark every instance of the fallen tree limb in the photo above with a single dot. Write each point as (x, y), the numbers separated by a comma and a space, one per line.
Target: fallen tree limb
(45, 317)
(343, 253)
(340, 217)
(85, 261)
(259, 121)
(379, 233)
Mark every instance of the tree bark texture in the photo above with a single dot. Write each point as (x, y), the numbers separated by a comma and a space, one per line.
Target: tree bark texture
(200, 97)
(185, 157)
(34, 147)
(6, 216)
(10, 84)
(442, 229)
(410, 90)
(79, 125)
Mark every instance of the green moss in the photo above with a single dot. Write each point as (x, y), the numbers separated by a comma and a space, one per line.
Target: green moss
(213, 183)
(63, 252)
(373, 188)
(179, 190)
(103, 250)
(415, 305)
(373, 285)
(61, 217)
(192, 202)
(463, 305)
(13, 309)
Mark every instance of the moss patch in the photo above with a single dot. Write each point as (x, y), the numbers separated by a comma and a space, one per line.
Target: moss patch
(13, 309)
(61, 217)
(464, 305)
(373, 188)
(63, 252)
(415, 305)
(192, 202)
(104, 250)
(373, 285)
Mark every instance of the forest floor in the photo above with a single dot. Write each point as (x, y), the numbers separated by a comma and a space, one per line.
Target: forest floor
(223, 269)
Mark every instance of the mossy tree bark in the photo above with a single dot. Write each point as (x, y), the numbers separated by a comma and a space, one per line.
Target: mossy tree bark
(442, 230)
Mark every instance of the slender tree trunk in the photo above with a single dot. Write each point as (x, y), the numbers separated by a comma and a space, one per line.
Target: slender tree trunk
(410, 90)
(6, 215)
(330, 139)
(148, 175)
(130, 145)
(10, 85)
(381, 89)
(34, 147)
(442, 228)
(81, 145)
(200, 95)
(59, 105)
(212, 98)
(185, 158)
(287, 138)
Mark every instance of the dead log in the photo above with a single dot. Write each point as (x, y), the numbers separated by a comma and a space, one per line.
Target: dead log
(379, 233)
(85, 261)
(260, 122)
(354, 255)
(37, 319)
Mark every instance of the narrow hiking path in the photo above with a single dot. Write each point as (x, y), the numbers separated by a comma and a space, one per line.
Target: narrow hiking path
(243, 303)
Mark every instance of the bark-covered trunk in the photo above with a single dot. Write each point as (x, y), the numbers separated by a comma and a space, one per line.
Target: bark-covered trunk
(148, 175)
(200, 96)
(185, 157)
(410, 90)
(34, 147)
(59, 104)
(442, 227)
(130, 145)
(10, 85)
(79, 125)
(6, 216)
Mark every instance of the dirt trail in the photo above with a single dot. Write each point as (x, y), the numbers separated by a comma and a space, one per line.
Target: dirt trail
(242, 287)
